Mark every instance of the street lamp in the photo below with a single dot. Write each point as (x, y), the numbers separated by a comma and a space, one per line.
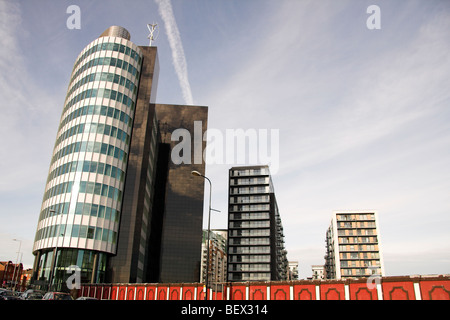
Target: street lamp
(53, 269)
(198, 174)
(17, 263)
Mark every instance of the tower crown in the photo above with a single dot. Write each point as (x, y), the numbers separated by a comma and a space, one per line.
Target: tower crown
(116, 31)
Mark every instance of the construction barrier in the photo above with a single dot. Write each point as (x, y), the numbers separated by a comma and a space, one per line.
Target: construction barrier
(383, 288)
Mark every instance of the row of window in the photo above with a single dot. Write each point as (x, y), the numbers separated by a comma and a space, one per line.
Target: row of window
(85, 187)
(91, 146)
(94, 210)
(250, 207)
(353, 217)
(359, 255)
(357, 247)
(245, 276)
(104, 76)
(249, 190)
(250, 224)
(77, 231)
(101, 93)
(249, 241)
(358, 240)
(109, 46)
(249, 216)
(360, 272)
(97, 110)
(359, 263)
(367, 224)
(245, 181)
(106, 61)
(249, 267)
(88, 166)
(249, 258)
(356, 232)
(58, 208)
(87, 260)
(247, 250)
(66, 258)
(250, 199)
(99, 128)
(249, 172)
(249, 232)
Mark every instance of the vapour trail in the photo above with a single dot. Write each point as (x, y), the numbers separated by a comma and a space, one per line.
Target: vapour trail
(178, 57)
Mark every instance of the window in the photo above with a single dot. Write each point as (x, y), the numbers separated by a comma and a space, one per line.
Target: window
(79, 208)
(90, 232)
(75, 230)
(86, 209)
(83, 231)
(94, 209)
(98, 233)
(101, 210)
(105, 235)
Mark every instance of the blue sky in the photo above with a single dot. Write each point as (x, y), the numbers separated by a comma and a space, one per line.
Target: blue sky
(363, 115)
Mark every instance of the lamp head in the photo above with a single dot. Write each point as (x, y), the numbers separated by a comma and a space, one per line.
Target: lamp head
(196, 173)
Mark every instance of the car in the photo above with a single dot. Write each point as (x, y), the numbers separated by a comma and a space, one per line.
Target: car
(32, 294)
(8, 295)
(86, 298)
(57, 296)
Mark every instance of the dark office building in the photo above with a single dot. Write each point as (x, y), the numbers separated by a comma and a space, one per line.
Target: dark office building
(256, 249)
(118, 201)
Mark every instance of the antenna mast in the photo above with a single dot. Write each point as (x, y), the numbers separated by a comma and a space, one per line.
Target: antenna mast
(152, 28)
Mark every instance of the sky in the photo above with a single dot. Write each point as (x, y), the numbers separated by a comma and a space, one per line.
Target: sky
(362, 115)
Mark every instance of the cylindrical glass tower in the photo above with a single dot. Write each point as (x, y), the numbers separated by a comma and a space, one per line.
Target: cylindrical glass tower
(80, 211)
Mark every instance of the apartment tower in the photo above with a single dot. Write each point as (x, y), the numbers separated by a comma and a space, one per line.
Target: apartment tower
(217, 265)
(353, 245)
(256, 249)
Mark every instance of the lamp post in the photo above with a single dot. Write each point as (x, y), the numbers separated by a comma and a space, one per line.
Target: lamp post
(53, 269)
(17, 264)
(196, 173)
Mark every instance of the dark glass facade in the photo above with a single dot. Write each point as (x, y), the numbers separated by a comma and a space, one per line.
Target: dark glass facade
(181, 237)
(160, 240)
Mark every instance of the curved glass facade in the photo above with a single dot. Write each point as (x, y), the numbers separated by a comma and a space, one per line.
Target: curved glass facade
(80, 212)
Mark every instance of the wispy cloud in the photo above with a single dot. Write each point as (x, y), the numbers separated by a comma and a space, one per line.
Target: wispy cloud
(176, 45)
(26, 109)
(361, 117)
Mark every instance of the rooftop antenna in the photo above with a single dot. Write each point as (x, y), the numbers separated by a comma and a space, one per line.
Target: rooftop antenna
(152, 28)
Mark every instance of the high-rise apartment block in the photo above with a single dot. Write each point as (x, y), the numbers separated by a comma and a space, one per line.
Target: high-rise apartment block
(292, 270)
(353, 245)
(255, 233)
(217, 256)
(317, 272)
(115, 204)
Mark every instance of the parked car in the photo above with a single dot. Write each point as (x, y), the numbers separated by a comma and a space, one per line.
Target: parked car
(57, 296)
(35, 296)
(8, 295)
(32, 294)
(86, 298)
